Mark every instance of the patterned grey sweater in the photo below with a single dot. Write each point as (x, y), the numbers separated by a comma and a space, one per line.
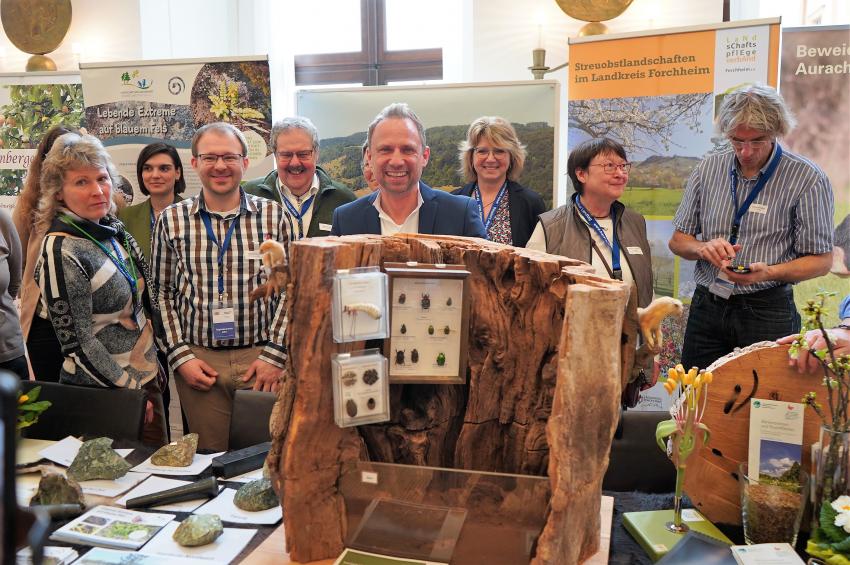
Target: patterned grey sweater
(91, 306)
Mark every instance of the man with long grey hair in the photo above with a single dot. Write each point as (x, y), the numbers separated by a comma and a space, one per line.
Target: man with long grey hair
(305, 190)
(757, 219)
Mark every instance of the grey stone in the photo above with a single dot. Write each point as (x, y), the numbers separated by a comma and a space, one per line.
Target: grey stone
(178, 453)
(256, 496)
(55, 488)
(198, 529)
(97, 460)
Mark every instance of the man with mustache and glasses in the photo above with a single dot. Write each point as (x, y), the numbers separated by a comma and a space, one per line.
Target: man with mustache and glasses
(397, 154)
(303, 188)
(756, 218)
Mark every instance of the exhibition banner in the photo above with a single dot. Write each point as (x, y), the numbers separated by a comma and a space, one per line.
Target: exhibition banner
(657, 93)
(131, 104)
(31, 104)
(815, 82)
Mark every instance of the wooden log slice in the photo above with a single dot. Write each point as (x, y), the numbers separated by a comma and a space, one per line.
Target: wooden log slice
(758, 371)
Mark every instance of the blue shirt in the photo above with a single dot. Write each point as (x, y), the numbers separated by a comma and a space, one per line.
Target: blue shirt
(844, 308)
(791, 217)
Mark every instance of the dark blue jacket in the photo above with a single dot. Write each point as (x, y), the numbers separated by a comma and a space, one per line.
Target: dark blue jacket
(441, 214)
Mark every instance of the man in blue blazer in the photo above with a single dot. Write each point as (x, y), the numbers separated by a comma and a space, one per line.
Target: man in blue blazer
(397, 153)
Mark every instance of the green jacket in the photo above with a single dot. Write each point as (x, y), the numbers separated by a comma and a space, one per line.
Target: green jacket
(137, 220)
(331, 195)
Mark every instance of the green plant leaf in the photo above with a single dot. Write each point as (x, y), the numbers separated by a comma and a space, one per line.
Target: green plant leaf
(662, 431)
(842, 546)
(833, 533)
(34, 393)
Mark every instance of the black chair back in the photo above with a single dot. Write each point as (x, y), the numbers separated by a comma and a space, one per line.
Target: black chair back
(117, 413)
(249, 421)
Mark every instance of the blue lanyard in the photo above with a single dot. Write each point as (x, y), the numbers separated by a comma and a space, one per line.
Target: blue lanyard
(488, 221)
(116, 258)
(222, 248)
(298, 216)
(616, 271)
(153, 219)
(764, 176)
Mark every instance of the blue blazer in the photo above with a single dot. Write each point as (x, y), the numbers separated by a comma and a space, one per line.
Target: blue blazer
(441, 214)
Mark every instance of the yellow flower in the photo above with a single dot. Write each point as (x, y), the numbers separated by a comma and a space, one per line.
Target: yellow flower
(23, 399)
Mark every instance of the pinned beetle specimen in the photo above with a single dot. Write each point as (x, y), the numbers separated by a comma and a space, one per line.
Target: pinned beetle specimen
(370, 404)
(402, 298)
(449, 301)
(399, 357)
(370, 376)
(403, 329)
(349, 378)
(351, 408)
(441, 359)
(430, 330)
(446, 330)
(414, 356)
(426, 301)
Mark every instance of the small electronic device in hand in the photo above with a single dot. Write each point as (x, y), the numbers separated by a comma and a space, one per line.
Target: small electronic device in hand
(739, 269)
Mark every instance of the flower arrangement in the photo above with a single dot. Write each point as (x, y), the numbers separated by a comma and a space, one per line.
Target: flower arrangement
(830, 538)
(30, 407)
(680, 435)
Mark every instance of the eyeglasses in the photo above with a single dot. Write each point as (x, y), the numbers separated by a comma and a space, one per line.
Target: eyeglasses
(212, 158)
(484, 152)
(609, 168)
(754, 145)
(286, 156)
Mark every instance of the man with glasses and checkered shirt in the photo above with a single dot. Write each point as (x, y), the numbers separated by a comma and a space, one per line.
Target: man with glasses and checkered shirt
(206, 260)
(305, 189)
(757, 219)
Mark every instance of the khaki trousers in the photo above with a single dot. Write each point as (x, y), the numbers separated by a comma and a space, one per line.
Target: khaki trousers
(208, 412)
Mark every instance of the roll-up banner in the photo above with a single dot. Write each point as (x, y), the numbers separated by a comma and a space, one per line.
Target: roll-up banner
(131, 104)
(656, 93)
(31, 104)
(815, 82)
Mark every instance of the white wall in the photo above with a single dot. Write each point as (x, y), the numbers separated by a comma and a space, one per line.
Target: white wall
(100, 30)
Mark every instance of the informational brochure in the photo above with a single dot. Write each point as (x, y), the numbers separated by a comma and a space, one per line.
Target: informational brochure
(63, 452)
(228, 512)
(103, 556)
(776, 441)
(198, 466)
(53, 555)
(158, 484)
(223, 550)
(108, 526)
(766, 554)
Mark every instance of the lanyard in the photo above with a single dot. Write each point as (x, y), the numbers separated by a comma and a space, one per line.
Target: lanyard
(617, 272)
(153, 219)
(488, 221)
(763, 177)
(116, 258)
(298, 216)
(222, 247)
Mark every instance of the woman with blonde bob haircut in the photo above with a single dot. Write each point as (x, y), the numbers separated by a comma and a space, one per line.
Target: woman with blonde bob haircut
(491, 162)
(92, 278)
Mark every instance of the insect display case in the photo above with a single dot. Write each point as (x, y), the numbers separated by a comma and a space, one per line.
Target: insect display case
(361, 389)
(359, 308)
(429, 320)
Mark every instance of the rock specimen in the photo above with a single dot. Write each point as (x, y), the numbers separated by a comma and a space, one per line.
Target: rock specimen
(97, 460)
(55, 488)
(178, 453)
(256, 496)
(198, 529)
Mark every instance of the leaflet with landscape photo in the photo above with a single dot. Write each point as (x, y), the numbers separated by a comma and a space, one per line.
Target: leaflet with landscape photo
(776, 441)
(766, 554)
(108, 526)
(53, 555)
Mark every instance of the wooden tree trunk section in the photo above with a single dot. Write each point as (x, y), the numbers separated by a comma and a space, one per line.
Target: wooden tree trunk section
(712, 478)
(538, 398)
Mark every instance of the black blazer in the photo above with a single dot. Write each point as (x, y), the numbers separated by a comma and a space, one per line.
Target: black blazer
(524, 204)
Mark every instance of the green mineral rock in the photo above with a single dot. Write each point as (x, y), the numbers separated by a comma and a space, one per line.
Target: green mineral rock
(256, 496)
(97, 460)
(178, 453)
(55, 488)
(198, 529)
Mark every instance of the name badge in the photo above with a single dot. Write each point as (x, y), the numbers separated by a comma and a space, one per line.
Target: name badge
(224, 322)
(325, 227)
(758, 208)
(139, 315)
(634, 250)
(722, 286)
